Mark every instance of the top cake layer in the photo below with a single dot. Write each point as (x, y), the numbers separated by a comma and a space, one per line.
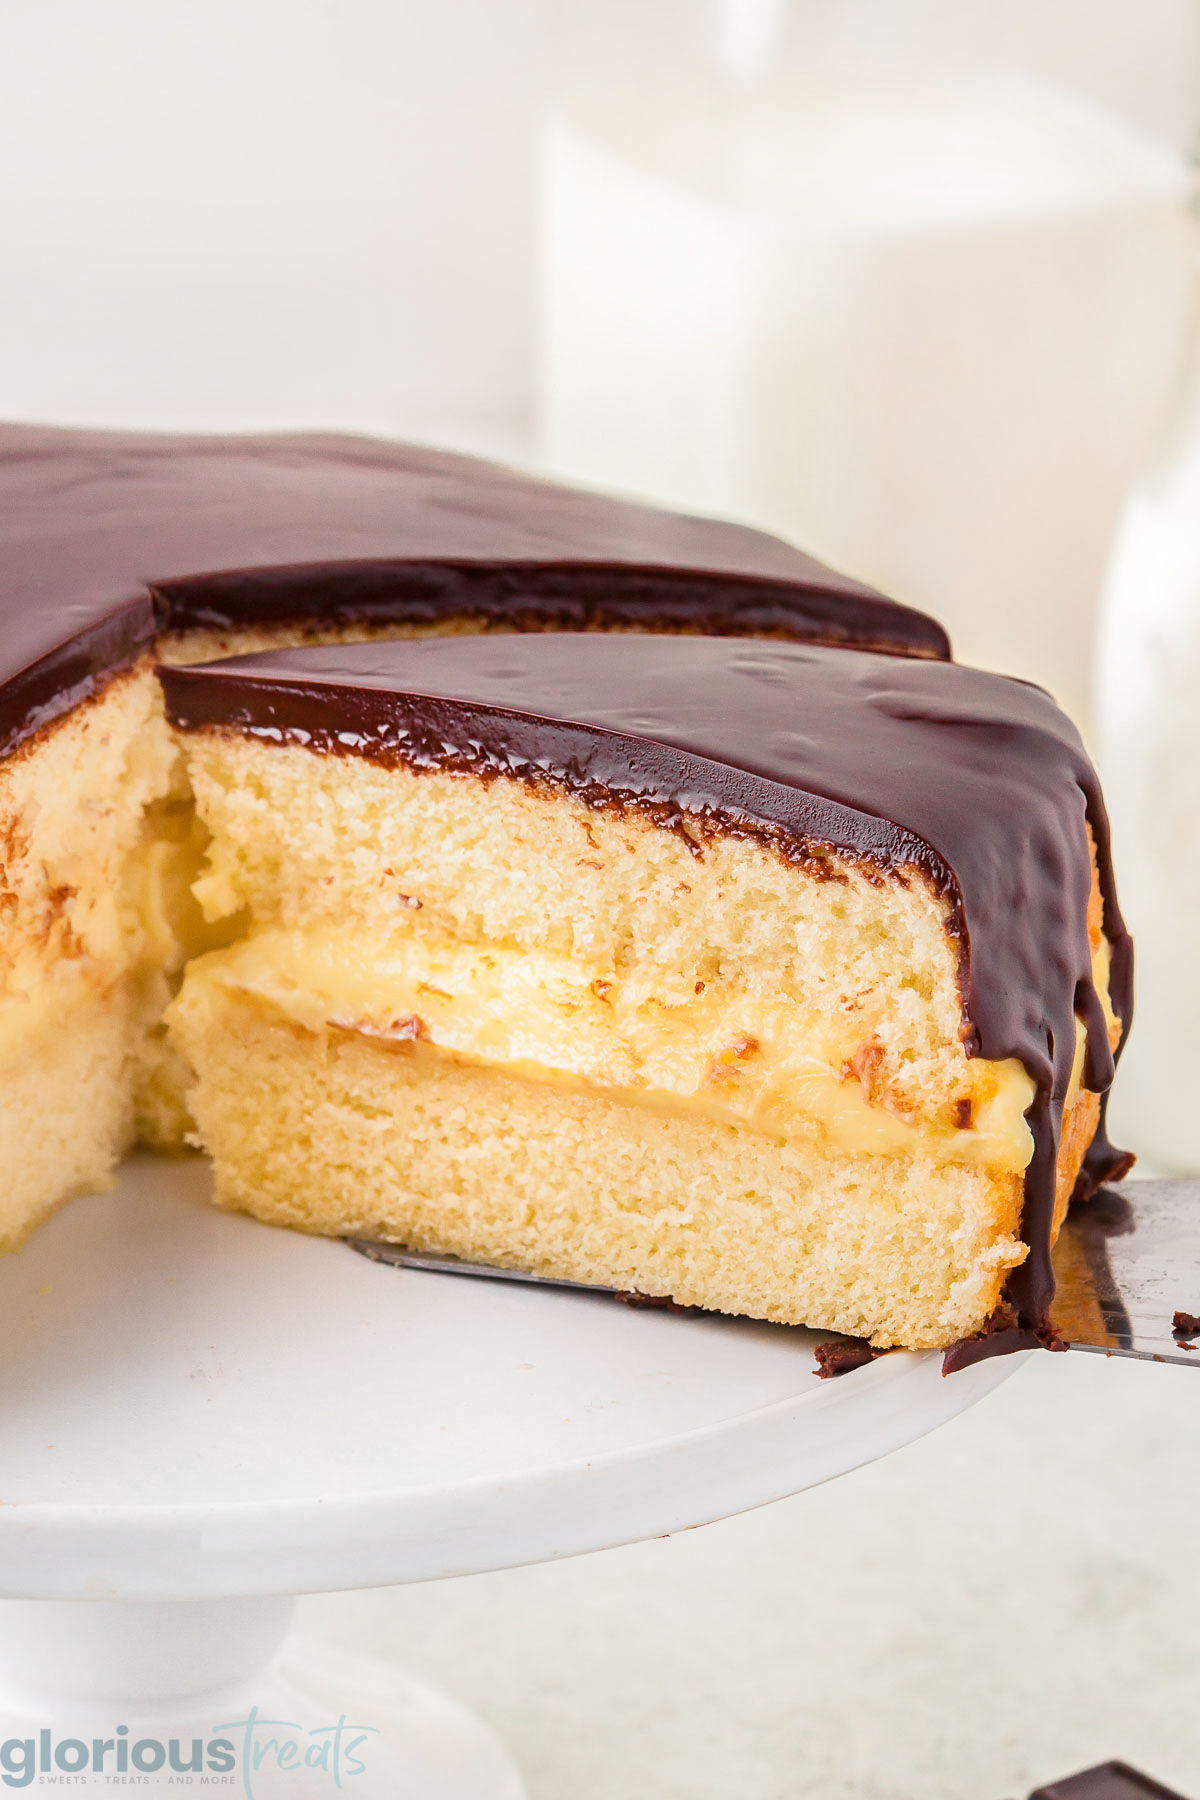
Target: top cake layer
(976, 782)
(107, 537)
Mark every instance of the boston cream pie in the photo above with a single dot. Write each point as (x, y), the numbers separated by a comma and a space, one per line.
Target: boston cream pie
(779, 977)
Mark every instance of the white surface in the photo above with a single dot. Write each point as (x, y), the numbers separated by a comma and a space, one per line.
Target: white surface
(195, 1405)
(1010, 1599)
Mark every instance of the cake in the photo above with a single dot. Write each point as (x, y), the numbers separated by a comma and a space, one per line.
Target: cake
(767, 977)
(771, 963)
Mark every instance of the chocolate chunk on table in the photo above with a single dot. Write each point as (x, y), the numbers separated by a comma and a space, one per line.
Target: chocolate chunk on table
(1107, 1781)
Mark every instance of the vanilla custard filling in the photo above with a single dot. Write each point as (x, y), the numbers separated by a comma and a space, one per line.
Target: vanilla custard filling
(145, 931)
(724, 1055)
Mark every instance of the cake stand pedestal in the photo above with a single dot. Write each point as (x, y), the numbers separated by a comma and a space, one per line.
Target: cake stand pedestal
(200, 1417)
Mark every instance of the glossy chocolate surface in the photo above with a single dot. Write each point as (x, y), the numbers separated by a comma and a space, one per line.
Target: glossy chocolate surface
(106, 537)
(978, 781)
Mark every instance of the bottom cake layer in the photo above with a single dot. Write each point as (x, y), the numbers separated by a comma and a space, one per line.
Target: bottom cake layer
(336, 1133)
(66, 1107)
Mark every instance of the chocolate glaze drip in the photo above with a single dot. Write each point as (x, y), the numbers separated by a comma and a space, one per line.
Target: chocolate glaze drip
(108, 537)
(976, 781)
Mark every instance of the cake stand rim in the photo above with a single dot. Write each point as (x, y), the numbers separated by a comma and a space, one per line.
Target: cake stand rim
(257, 1548)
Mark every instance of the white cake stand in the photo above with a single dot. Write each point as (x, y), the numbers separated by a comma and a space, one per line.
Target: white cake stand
(200, 1417)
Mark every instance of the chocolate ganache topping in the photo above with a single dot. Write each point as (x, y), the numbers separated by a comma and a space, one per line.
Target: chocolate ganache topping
(977, 781)
(108, 538)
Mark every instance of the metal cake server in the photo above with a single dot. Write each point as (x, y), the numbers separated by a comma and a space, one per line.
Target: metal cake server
(1127, 1263)
(400, 1258)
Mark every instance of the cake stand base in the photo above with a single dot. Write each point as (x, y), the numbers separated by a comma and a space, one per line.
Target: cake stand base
(199, 1414)
(102, 1695)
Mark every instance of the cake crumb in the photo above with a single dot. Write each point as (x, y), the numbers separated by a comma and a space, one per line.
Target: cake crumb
(649, 1302)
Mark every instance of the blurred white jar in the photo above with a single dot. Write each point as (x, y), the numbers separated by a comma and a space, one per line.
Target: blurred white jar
(1148, 740)
(920, 316)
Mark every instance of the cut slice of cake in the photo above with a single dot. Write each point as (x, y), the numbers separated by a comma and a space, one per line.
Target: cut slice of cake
(117, 547)
(80, 986)
(780, 980)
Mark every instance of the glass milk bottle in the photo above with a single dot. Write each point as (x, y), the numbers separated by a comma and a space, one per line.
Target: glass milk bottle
(1147, 717)
(919, 315)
